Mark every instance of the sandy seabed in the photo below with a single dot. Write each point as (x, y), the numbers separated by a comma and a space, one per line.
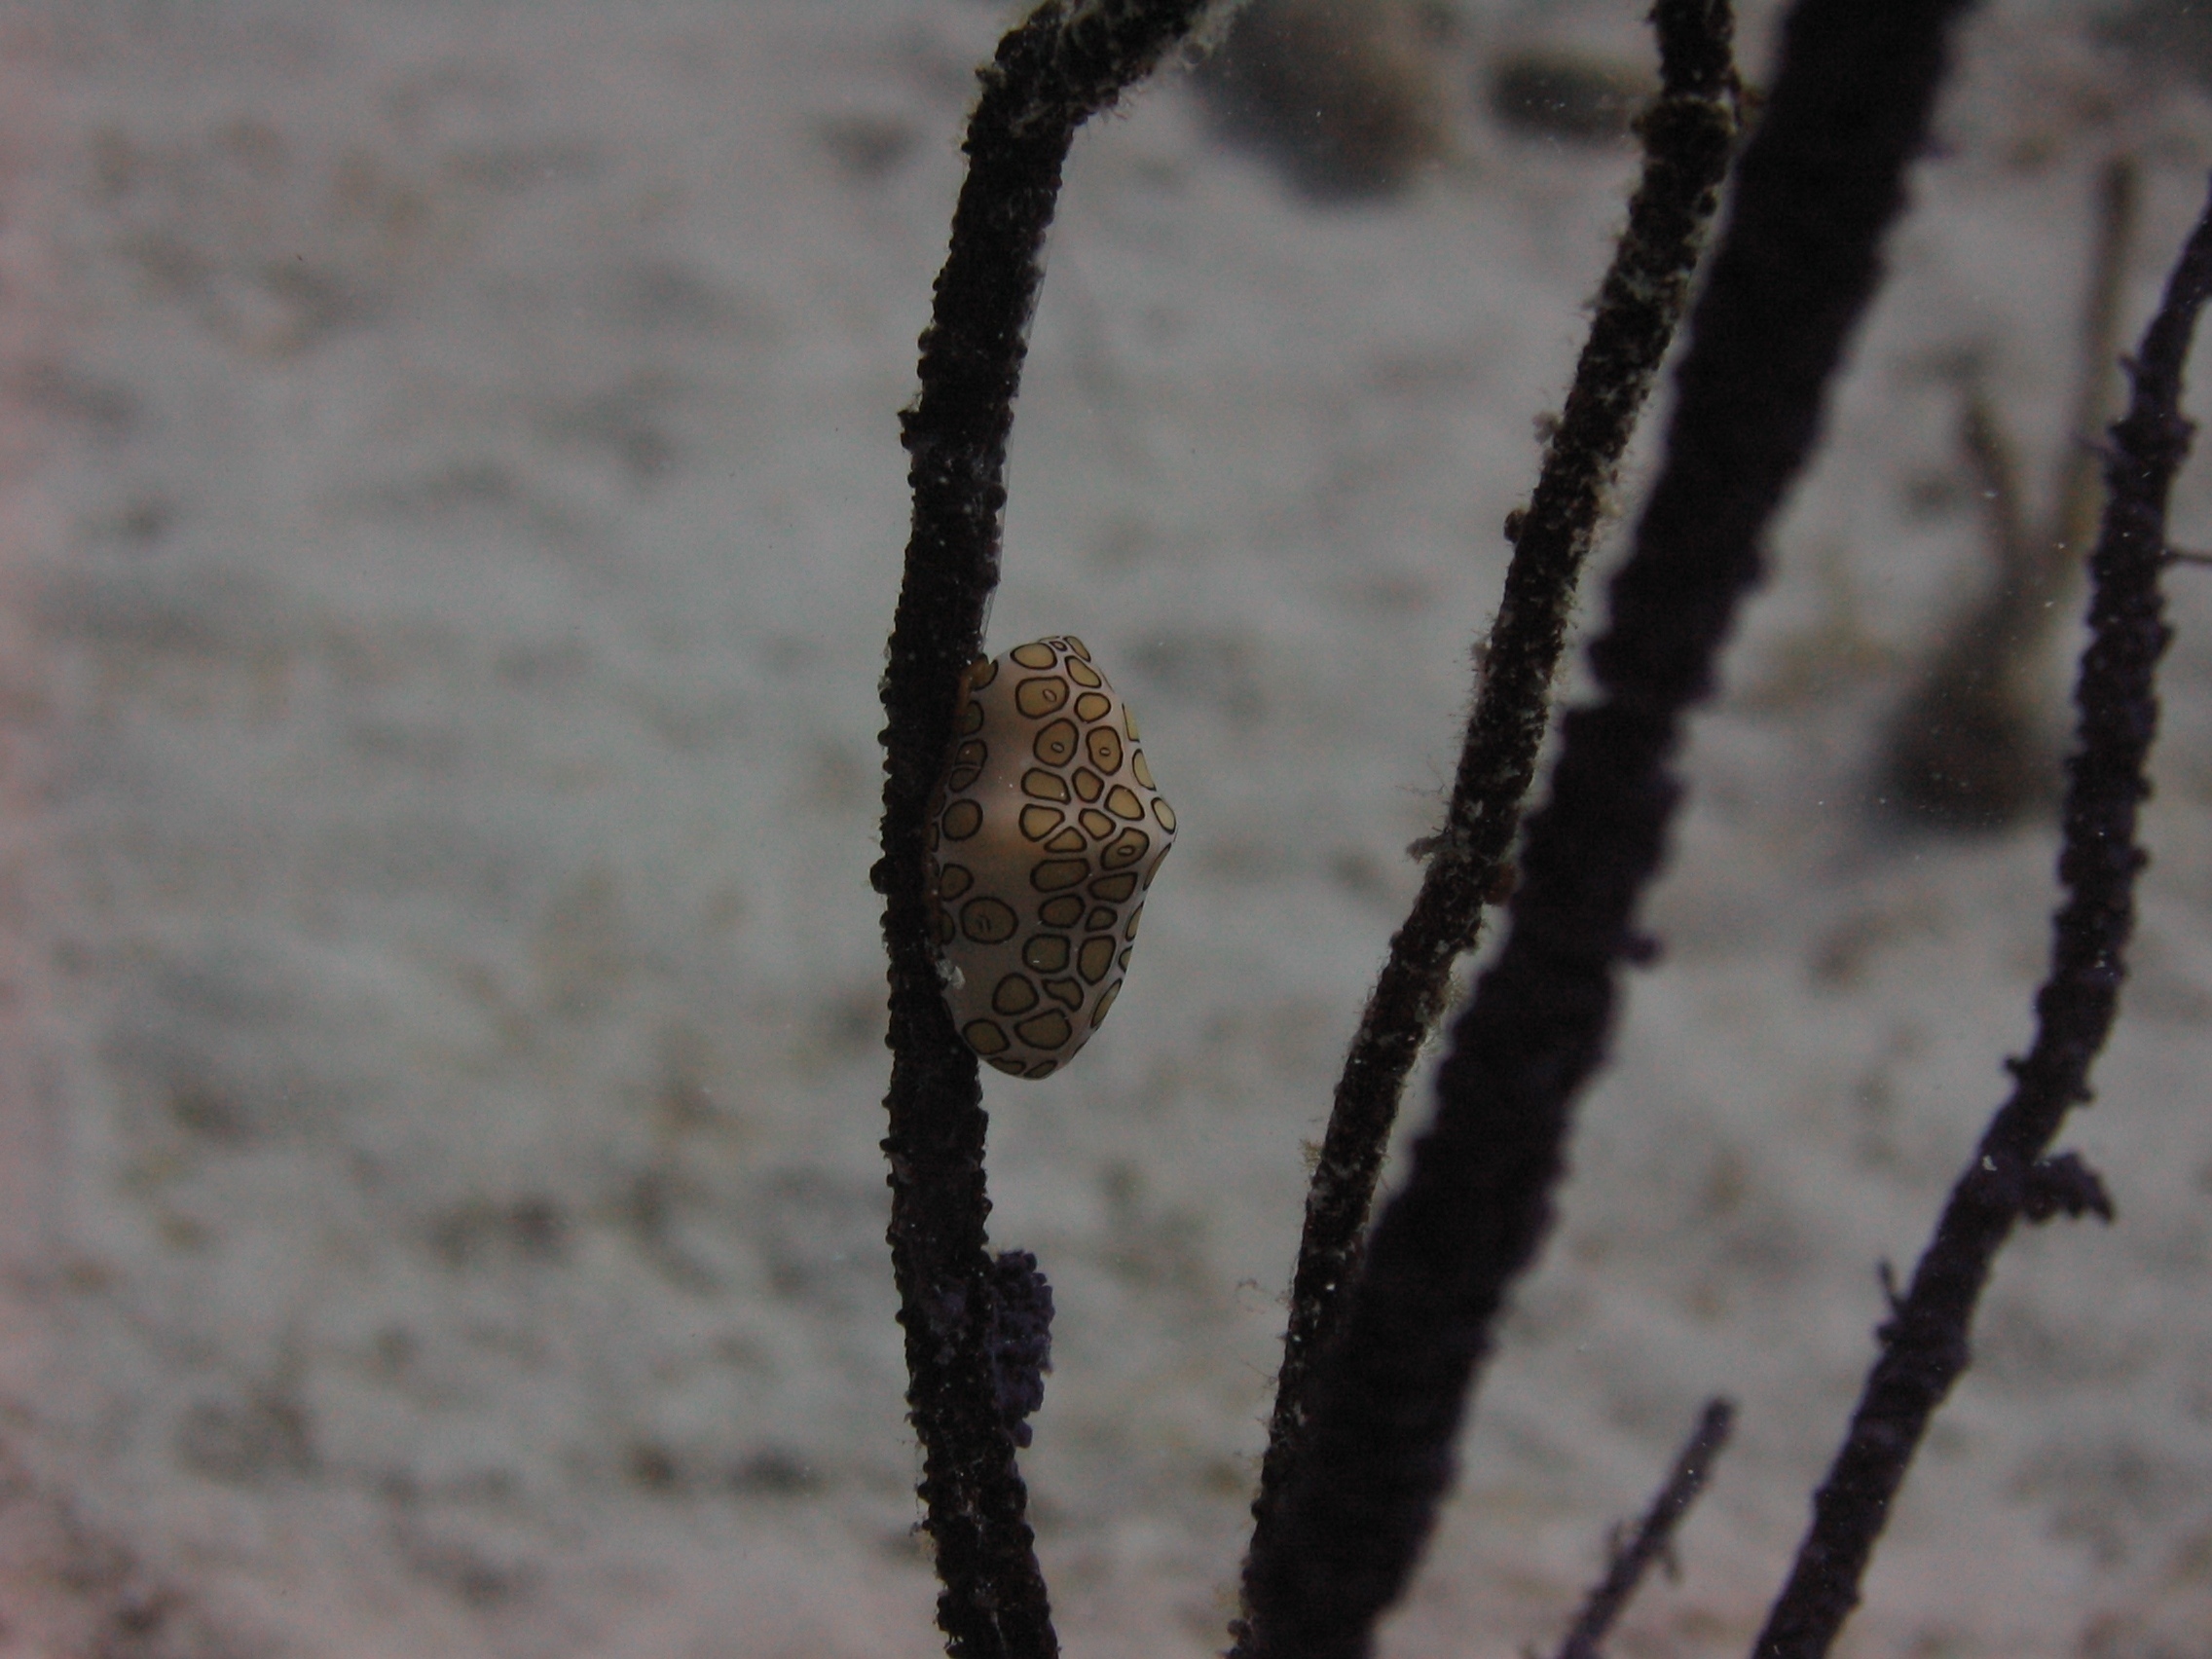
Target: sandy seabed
(452, 514)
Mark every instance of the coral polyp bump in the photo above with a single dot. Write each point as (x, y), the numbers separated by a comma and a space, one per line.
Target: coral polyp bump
(1047, 831)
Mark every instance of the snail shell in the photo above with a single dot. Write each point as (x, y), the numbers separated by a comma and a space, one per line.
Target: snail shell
(1047, 832)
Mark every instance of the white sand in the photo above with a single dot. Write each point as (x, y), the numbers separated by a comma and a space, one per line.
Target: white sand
(454, 512)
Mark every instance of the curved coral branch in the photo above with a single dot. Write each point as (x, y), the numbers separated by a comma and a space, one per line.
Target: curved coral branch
(1060, 66)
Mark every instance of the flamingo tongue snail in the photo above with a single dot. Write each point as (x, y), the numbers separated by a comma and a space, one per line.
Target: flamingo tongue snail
(1045, 832)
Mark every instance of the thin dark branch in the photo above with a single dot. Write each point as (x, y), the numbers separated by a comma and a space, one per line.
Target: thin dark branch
(1688, 135)
(1925, 1342)
(1819, 182)
(1655, 1535)
(1060, 66)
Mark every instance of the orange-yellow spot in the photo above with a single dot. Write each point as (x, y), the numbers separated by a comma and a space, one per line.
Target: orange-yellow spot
(1093, 706)
(1079, 648)
(1035, 655)
(1044, 784)
(1115, 888)
(1039, 697)
(1052, 874)
(982, 671)
(1055, 743)
(1096, 822)
(1142, 768)
(1129, 722)
(1047, 1030)
(986, 1039)
(1094, 959)
(1165, 813)
(1039, 822)
(1104, 749)
(1062, 912)
(1100, 920)
(970, 718)
(1065, 992)
(1083, 674)
(1047, 953)
(1068, 840)
(1011, 1068)
(1105, 1002)
(1014, 995)
(1126, 850)
(987, 920)
(1130, 931)
(1121, 801)
(962, 819)
(1089, 783)
(953, 880)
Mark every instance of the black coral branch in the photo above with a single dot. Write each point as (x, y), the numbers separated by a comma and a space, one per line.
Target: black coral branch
(1687, 134)
(1818, 184)
(1925, 1342)
(1654, 1534)
(1062, 65)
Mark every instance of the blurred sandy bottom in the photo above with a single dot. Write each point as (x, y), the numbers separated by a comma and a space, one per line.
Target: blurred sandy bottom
(450, 474)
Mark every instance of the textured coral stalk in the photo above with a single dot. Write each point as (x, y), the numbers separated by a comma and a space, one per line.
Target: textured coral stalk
(1060, 66)
(1925, 1343)
(1687, 137)
(1818, 184)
